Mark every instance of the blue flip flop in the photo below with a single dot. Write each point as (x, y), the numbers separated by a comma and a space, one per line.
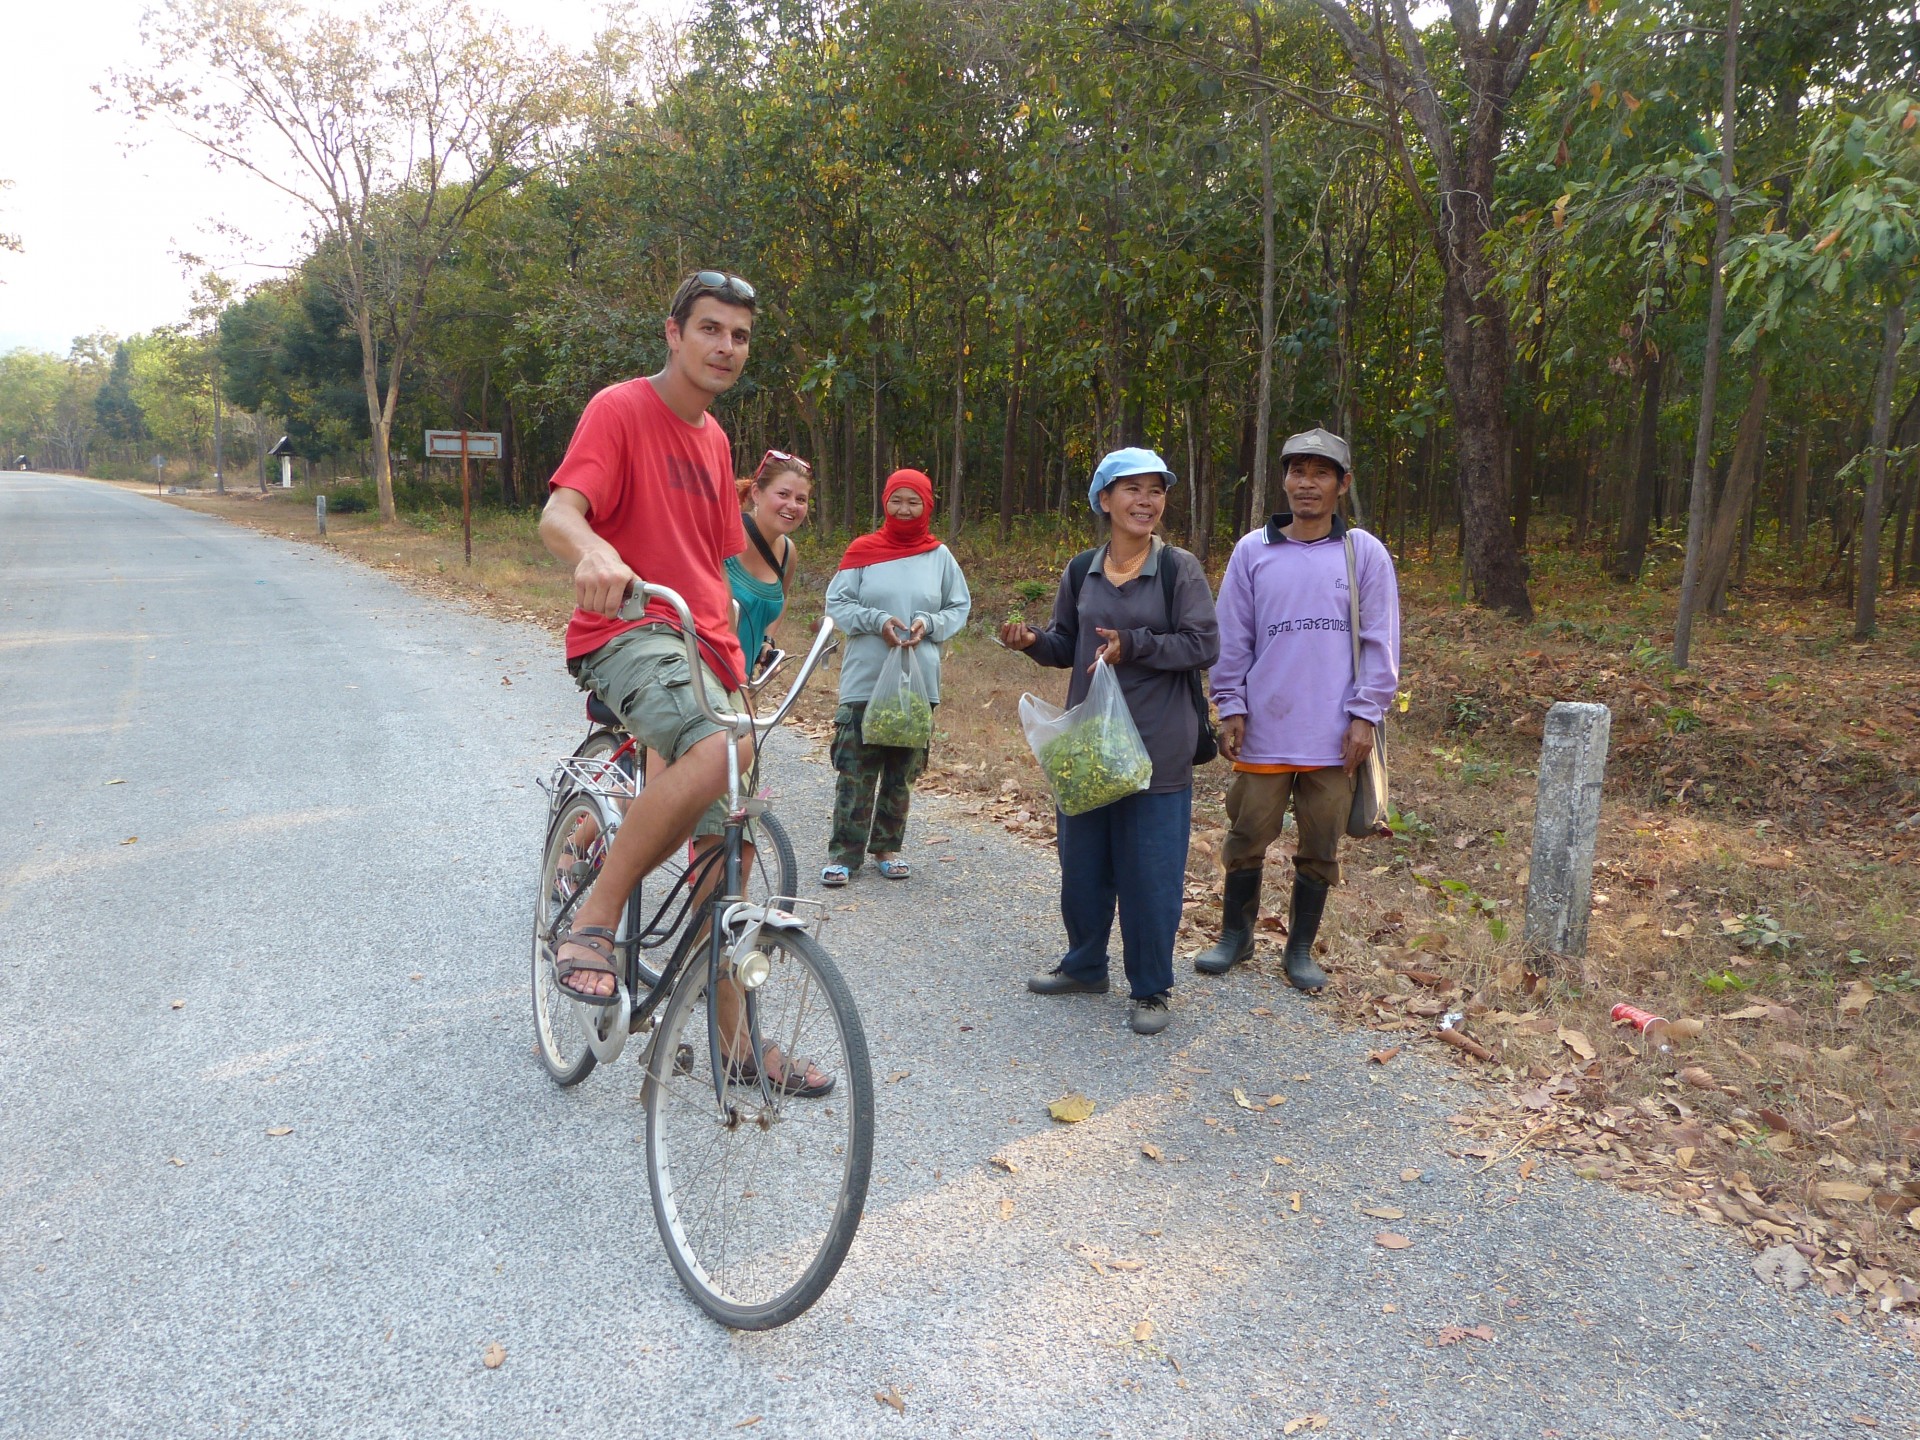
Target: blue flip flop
(834, 876)
(896, 869)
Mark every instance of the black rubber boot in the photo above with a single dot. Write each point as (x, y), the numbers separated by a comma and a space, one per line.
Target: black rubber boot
(1238, 911)
(1309, 903)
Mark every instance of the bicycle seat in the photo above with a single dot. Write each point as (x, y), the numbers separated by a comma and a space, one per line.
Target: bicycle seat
(601, 713)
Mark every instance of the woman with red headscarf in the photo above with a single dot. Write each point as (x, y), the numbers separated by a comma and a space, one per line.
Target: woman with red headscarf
(897, 587)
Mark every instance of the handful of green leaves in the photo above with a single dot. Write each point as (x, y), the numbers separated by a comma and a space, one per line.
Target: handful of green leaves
(1095, 763)
(903, 718)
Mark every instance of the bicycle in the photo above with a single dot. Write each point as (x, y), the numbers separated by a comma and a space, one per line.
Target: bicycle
(758, 1180)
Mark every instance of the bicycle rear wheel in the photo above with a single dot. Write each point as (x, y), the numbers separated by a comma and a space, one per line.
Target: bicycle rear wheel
(776, 870)
(556, 1027)
(757, 1202)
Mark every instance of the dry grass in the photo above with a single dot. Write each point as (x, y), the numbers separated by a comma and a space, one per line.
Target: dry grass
(1754, 861)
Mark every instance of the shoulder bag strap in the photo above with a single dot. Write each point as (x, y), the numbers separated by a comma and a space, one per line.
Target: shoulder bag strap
(1353, 604)
(1194, 687)
(766, 550)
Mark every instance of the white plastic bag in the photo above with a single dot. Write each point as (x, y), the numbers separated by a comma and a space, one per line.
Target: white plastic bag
(1092, 755)
(899, 712)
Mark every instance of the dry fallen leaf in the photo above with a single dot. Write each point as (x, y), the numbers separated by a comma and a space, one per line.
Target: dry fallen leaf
(1315, 1421)
(1686, 1029)
(1859, 995)
(1577, 1042)
(1240, 1098)
(751, 1419)
(1143, 1332)
(175, 1160)
(280, 1130)
(1006, 1208)
(1844, 1190)
(179, 1005)
(897, 1076)
(131, 839)
(1384, 1212)
(494, 1355)
(1387, 1240)
(1000, 1162)
(116, 782)
(1454, 1334)
(1381, 1057)
(1698, 1077)
(1151, 1151)
(892, 1396)
(1409, 1174)
(1071, 1109)
(1784, 1266)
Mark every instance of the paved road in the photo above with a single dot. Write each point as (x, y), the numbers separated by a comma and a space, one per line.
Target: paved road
(326, 788)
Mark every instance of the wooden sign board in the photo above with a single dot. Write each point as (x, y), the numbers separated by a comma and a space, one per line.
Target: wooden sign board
(445, 444)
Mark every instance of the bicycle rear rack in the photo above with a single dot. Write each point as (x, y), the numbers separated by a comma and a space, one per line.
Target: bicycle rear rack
(596, 774)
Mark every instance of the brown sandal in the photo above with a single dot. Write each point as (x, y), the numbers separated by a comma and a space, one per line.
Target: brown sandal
(599, 940)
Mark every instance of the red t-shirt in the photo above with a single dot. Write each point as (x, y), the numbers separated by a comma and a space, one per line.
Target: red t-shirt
(660, 491)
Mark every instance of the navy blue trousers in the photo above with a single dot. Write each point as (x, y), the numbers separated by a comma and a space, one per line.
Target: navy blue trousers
(1133, 852)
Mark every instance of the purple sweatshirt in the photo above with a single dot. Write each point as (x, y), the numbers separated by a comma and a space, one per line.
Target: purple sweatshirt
(1286, 662)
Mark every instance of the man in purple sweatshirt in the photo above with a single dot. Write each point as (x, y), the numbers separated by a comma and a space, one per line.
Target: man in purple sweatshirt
(1295, 718)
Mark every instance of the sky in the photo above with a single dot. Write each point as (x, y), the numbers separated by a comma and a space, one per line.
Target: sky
(105, 208)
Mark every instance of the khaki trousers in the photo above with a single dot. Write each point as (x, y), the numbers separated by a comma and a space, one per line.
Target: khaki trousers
(1257, 807)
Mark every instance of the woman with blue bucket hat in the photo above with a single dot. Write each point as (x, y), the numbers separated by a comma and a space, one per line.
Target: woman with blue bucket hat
(1144, 607)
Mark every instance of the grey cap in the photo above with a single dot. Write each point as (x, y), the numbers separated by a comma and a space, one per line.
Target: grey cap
(1324, 443)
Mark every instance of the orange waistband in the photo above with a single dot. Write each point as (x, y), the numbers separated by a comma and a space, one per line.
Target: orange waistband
(1246, 769)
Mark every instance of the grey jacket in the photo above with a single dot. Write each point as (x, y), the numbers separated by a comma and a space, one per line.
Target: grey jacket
(928, 587)
(1159, 651)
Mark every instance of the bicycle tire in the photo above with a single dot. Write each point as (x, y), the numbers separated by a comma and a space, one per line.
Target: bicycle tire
(806, 1161)
(557, 1041)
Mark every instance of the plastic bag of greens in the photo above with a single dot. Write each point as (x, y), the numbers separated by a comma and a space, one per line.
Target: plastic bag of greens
(1092, 754)
(899, 712)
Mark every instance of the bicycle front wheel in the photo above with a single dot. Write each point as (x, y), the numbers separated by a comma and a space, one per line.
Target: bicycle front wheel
(757, 1199)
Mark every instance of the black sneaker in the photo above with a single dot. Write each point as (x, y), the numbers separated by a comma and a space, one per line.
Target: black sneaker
(1151, 1014)
(1058, 982)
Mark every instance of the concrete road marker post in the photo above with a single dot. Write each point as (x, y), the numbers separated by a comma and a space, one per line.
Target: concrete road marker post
(1566, 822)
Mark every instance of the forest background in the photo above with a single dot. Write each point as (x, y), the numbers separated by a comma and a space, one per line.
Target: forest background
(1612, 299)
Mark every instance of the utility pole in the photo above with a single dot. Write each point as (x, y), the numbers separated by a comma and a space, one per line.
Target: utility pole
(219, 475)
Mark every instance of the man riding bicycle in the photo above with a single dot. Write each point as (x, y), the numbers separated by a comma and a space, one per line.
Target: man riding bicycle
(646, 490)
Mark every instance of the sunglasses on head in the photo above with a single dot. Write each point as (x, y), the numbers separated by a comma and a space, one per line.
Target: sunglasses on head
(724, 283)
(781, 457)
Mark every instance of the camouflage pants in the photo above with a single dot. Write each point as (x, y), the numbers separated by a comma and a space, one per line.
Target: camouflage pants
(874, 789)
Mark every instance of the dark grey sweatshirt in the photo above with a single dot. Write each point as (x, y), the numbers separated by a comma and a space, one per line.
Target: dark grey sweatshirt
(1160, 650)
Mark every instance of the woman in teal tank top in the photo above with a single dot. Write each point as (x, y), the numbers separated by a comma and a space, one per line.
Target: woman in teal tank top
(776, 498)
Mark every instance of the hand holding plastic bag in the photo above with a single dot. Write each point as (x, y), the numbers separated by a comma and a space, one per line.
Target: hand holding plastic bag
(899, 712)
(1092, 754)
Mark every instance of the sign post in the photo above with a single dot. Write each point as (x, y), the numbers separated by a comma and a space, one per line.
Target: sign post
(159, 474)
(467, 445)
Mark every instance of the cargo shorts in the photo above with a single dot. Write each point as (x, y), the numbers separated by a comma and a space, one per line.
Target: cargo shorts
(642, 675)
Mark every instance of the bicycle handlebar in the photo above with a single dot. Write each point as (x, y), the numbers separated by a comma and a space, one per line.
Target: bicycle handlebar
(736, 724)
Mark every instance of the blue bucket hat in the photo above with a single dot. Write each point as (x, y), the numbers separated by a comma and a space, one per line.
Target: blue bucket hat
(1131, 461)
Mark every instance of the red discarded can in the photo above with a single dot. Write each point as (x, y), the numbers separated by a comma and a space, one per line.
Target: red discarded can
(1638, 1018)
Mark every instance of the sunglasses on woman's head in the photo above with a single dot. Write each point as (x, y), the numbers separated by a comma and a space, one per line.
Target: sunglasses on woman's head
(724, 283)
(783, 458)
